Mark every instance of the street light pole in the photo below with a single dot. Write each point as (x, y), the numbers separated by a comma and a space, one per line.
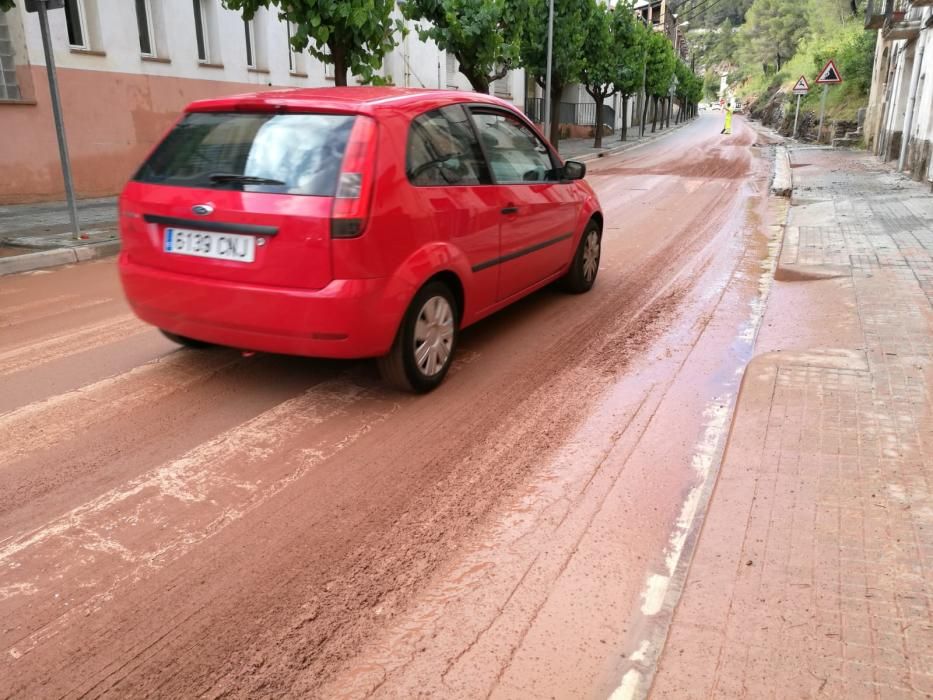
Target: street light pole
(57, 114)
(547, 77)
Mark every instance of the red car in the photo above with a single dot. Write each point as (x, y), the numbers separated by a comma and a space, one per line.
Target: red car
(351, 222)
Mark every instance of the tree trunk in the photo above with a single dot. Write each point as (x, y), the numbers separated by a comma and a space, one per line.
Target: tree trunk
(624, 117)
(598, 141)
(479, 82)
(654, 116)
(339, 55)
(644, 117)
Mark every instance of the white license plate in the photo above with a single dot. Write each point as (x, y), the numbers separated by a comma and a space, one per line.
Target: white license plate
(209, 244)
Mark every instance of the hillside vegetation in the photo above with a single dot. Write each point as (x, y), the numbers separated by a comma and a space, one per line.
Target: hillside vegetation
(774, 42)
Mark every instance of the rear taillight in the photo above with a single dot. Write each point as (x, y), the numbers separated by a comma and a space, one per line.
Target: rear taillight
(355, 186)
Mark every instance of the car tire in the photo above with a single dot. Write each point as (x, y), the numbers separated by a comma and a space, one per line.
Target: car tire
(425, 342)
(585, 266)
(186, 341)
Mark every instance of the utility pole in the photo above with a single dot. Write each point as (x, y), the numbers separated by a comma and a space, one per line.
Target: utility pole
(42, 7)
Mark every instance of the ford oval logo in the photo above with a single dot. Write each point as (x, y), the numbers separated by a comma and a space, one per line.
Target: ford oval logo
(202, 209)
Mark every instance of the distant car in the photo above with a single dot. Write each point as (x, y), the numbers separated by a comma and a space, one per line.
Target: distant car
(716, 107)
(351, 222)
(739, 107)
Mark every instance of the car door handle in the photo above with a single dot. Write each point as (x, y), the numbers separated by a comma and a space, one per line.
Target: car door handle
(510, 210)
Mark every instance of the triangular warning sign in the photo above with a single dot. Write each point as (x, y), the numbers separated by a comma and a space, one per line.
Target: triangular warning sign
(829, 74)
(802, 87)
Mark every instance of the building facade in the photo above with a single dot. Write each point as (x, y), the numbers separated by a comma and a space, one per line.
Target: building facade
(899, 121)
(127, 68)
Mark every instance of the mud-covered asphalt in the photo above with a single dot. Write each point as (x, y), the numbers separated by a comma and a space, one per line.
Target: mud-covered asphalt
(186, 523)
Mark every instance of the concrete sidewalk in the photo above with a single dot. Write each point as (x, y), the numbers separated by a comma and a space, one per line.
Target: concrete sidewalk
(813, 573)
(34, 236)
(583, 150)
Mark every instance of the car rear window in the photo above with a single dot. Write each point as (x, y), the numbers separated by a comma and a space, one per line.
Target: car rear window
(257, 152)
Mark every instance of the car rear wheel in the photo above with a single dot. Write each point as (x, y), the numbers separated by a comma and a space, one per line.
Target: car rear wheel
(186, 341)
(585, 266)
(425, 342)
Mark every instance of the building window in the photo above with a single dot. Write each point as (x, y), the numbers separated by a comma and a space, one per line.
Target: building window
(76, 21)
(329, 71)
(502, 87)
(9, 89)
(144, 24)
(200, 31)
(296, 60)
(452, 69)
(250, 44)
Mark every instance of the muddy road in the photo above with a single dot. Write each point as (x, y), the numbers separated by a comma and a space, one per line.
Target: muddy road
(187, 523)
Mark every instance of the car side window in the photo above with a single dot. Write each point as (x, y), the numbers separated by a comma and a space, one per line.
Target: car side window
(516, 154)
(443, 150)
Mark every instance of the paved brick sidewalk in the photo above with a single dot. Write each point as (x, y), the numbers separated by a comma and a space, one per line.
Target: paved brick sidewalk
(813, 575)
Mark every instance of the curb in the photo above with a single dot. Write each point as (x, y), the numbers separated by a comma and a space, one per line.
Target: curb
(56, 257)
(627, 145)
(783, 183)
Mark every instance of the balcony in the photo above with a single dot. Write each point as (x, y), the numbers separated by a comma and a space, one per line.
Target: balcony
(901, 22)
(877, 12)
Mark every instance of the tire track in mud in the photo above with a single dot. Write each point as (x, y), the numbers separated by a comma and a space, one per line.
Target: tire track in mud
(498, 463)
(316, 566)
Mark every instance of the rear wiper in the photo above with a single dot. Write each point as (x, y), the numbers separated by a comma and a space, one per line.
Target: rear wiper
(244, 179)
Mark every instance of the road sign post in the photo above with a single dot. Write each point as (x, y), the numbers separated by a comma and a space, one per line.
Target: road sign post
(828, 76)
(42, 7)
(800, 89)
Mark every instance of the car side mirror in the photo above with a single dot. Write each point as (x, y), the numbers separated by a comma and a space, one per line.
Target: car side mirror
(574, 170)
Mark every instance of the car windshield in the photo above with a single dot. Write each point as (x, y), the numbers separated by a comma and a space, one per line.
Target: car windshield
(280, 153)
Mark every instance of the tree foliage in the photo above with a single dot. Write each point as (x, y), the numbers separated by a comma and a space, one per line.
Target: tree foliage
(600, 60)
(6, 5)
(484, 35)
(772, 31)
(568, 48)
(353, 35)
(630, 37)
(660, 65)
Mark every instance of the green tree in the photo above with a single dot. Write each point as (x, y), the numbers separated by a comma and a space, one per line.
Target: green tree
(484, 35)
(658, 72)
(772, 31)
(599, 69)
(6, 5)
(568, 49)
(353, 35)
(711, 85)
(630, 38)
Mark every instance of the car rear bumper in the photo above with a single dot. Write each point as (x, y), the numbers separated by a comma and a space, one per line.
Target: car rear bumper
(345, 319)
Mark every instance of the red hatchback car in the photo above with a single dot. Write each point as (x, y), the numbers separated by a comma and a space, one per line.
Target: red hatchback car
(351, 222)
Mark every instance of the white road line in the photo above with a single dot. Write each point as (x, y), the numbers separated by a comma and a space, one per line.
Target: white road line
(14, 316)
(63, 345)
(153, 520)
(61, 418)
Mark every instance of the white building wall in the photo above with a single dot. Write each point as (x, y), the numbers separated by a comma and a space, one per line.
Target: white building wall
(115, 48)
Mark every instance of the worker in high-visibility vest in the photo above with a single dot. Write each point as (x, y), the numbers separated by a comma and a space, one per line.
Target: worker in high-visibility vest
(727, 127)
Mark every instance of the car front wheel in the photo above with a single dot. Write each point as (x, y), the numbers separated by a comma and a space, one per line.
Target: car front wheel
(425, 342)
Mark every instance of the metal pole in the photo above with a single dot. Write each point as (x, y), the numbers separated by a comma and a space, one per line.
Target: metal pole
(796, 115)
(547, 77)
(819, 134)
(59, 124)
(911, 102)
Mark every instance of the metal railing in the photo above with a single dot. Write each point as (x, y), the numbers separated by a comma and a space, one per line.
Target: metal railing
(577, 113)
